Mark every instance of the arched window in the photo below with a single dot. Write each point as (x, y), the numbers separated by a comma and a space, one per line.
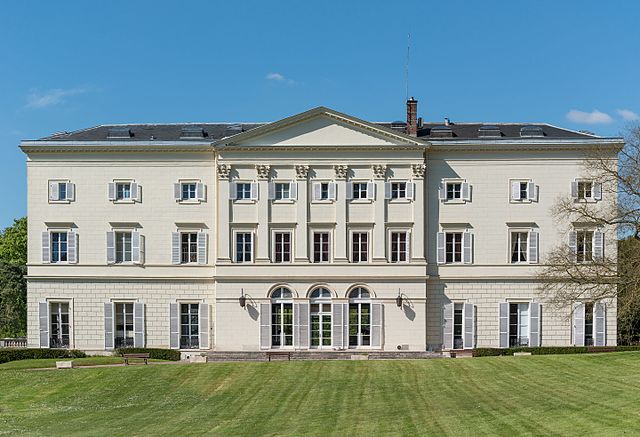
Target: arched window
(320, 318)
(281, 317)
(359, 317)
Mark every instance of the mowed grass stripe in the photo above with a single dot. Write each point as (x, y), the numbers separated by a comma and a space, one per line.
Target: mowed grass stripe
(543, 395)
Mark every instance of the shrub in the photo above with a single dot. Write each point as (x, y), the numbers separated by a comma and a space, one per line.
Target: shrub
(7, 355)
(155, 354)
(552, 350)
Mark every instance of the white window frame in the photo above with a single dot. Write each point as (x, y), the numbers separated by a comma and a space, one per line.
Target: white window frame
(513, 231)
(366, 198)
(58, 231)
(406, 198)
(390, 232)
(591, 254)
(359, 302)
(529, 197)
(235, 245)
(519, 302)
(290, 197)
(445, 182)
(312, 233)
(273, 244)
(249, 199)
(122, 231)
(130, 199)
(454, 231)
(195, 199)
(188, 302)
(189, 232)
(69, 303)
(58, 182)
(360, 231)
(329, 199)
(281, 302)
(322, 315)
(453, 323)
(114, 303)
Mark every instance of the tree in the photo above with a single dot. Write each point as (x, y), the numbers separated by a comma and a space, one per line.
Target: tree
(13, 285)
(615, 274)
(13, 243)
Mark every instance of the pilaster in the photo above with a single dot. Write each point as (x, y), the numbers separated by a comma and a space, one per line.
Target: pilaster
(340, 237)
(302, 212)
(379, 215)
(419, 213)
(222, 196)
(264, 207)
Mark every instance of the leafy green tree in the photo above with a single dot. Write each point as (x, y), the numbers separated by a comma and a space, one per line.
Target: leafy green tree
(13, 285)
(13, 243)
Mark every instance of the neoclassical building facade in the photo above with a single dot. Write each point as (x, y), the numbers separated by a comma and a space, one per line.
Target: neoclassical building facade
(320, 231)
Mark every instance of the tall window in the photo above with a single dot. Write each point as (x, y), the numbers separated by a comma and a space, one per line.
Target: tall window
(243, 191)
(58, 247)
(585, 190)
(458, 342)
(584, 247)
(324, 191)
(320, 318)
(453, 247)
(244, 247)
(454, 190)
(123, 190)
(283, 190)
(282, 247)
(321, 247)
(359, 317)
(519, 247)
(123, 247)
(188, 191)
(281, 318)
(189, 326)
(588, 324)
(359, 247)
(124, 325)
(518, 324)
(359, 190)
(189, 247)
(399, 247)
(398, 190)
(59, 320)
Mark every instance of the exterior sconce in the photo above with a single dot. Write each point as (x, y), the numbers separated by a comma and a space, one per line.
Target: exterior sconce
(243, 299)
(399, 300)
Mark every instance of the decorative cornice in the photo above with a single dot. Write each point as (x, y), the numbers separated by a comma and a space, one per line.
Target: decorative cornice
(418, 170)
(379, 170)
(263, 171)
(302, 171)
(223, 171)
(341, 171)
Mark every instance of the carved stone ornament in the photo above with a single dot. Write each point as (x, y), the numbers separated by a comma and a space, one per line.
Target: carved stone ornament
(418, 170)
(263, 171)
(341, 171)
(223, 171)
(379, 170)
(302, 171)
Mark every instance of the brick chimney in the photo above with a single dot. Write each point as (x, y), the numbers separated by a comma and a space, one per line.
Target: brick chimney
(412, 117)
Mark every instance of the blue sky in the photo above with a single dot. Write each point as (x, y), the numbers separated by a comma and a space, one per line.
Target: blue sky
(69, 65)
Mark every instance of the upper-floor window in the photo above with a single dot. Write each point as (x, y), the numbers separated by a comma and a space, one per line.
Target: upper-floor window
(243, 191)
(282, 247)
(123, 247)
(453, 250)
(524, 247)
(454, 190)
(124, 191)
(454, 247)
(283, 190)
(359, 247)
(399, 249)
(584, 250)
(59, 247)
(320, 247)
(398, 190)
(188, 247)
(189, 191)
(244, 247)
(61, 191)
(324, 191)
(360, 190)
(522, 190)
(586, 245)
(586, 190)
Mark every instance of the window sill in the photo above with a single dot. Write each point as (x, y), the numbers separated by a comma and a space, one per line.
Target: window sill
(454, 201)
(588, 200)
(401, 200)
(124, 201)
(521, 201)
(244, 201)
(189, 201)
(283, 201)
(323, 201)
(59, 202)
(361, 200)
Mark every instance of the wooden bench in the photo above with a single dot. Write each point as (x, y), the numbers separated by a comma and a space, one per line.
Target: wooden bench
(279, 354)
(144, 357)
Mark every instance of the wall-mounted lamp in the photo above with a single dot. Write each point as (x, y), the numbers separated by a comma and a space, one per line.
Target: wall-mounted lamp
(242, 299)
(399, 299)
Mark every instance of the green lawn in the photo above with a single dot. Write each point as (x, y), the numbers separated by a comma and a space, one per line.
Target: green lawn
(51, 362)
(539, 395)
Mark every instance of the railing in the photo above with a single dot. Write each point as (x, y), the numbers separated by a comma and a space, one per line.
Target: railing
(13, 342)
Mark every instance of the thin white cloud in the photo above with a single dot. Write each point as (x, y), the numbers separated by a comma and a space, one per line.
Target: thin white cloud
(277, 77)
(628, 115)
(593, 117)
(37, 99)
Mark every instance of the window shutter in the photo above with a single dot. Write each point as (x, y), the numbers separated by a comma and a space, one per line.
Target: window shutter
(46, 247)
(532, 192)
(201, 191)
(43, 317)
(534, 324)
(442, 191)
(598, 245)
(175, 248)
(371, 190)
(135, 191)
(71, 191)
(469, 325)
(578, 324)
(303, 325)
(349, 188)
(411, 189)
(408, 246)
(447, 326)
(138, 324)
(467, 248)
(376, 326)
(317, 191)
(111, 191)
(203, 331)
(293, 190)
(504, 324)
(177, 191)
(600, 324)
(111, 247)
(573, 245)
(72, 247)
(466, 191)
(254, 191)
(574, 190)
(440, 249)
(136, 248)
(515, 190)
(265, 326)
(533, 247)
(174, 326)
(597, 191)
(272, 190)
(53, 191)
(202, 247)
(337, 319)
(108, 325)
(233, 191)
(332, 190)
(387, 190)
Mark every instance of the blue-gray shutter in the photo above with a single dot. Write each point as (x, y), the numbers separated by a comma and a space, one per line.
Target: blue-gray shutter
(447, 326)
(43, 317)
(371, 190)
(349, 190)
(111, 191)
(578, 324)
(72, 247)
(411, 189)
(532, 192)
(111, 247)
(138, 324)
(53, 191)
(293, 190)
(440, 248)
(301, 325)
(573, 245)
(533, 247)
(574, 190)
(387, 190)
(600, 324)
(233, 190)
(377, 330)
(255, 193)
(338, 322)
(108, 325)
(467, 247)
(316, 191)
(135, 191)
(515, 191)
(71, 191)
(265, 326)
(598, 245)
(177, 191)
(466, 191)
(201, 191)
(534, 324)
(203, 329)
(271, 187)
(442, 191)
(332, 191)
(504, 324)
(174, 326)
(175, 248)
(202, 247)
(136, 248)
(469, 325)
(597, 191)
(46, 247)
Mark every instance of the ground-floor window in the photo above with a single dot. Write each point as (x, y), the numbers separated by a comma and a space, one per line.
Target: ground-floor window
(588, 324)
(123, 325)
(281, 324)
(320, 324)
(518, 324)
(458, 342)
(59, 317)
(359, 324)
(189, 326)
